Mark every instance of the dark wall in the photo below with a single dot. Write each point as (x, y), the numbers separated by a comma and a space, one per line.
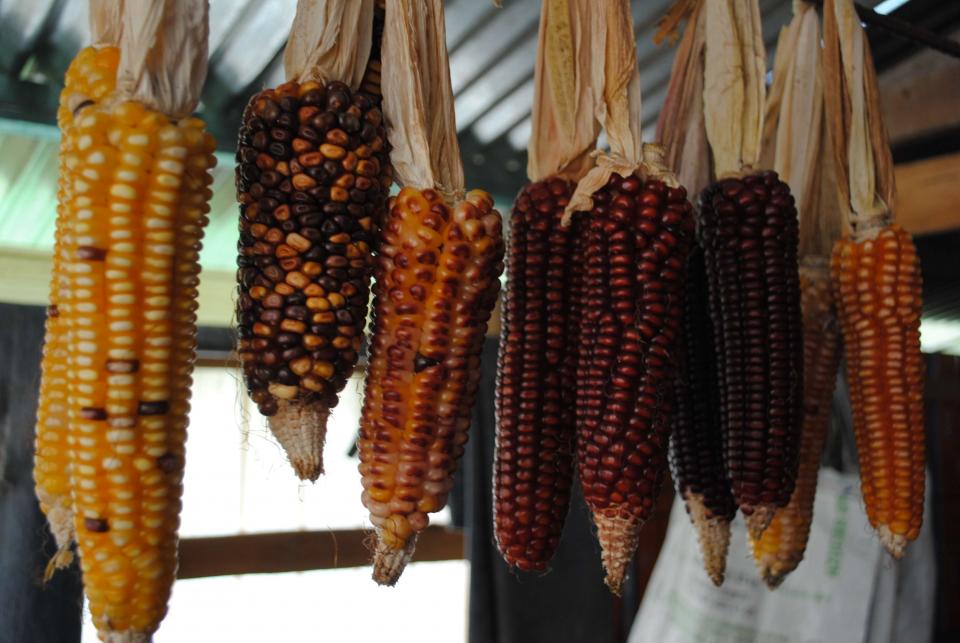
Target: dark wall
(29, 611)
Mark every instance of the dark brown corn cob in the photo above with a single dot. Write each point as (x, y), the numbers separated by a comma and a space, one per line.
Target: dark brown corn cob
(877, 285)
(313, 176)
(437, 282)
(637, 237)
(750, 238)
(533, 469)
(780, 549)
(696, 445)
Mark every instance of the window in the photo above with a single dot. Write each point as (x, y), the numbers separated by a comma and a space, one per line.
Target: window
(238, 480)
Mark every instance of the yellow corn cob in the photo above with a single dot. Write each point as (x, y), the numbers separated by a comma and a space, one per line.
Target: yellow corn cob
(877, 285)
(135, 208)
(90, 77)
(780, 549)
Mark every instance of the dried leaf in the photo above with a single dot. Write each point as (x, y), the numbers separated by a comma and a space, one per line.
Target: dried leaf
(680, 128)
(418, 99)
(106, 22)
(617, 86)
(733, 91)
(564, 128)
(330, 40)
(163, 54)
(863, 162)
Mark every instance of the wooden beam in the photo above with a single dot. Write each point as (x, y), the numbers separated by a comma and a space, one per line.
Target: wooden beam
(928, 194)
(921, 95)
(299, 551)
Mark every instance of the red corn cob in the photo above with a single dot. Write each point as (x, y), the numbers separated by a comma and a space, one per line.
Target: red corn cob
(637, 238)
(750, 238)
(696, 446)
(535, 381)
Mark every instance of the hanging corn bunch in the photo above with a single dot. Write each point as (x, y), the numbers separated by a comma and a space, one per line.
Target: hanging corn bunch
(536, 372)
(312, 181)
(636, 225)
(877, 285)
(134, 187)
(696, 450)
(748, 229)
(437, 280)
(796, 138)
(91, 77)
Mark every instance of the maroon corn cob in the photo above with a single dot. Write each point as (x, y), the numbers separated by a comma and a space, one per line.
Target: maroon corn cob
(533, 468)
(637, 237)
(696, 451)
(750, 237)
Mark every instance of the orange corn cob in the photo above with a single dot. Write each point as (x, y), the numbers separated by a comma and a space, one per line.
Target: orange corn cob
(877, 285)
(90, 77)
(780, 549)
(437, 282)
(135, 206)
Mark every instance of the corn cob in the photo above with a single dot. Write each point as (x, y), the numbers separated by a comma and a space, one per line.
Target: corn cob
(437, 282)
(696, 451)
(312, 180)
(535, 381)
(637, 238)
(750, 237)
(136, 206)
(90, 77)
(780, 549)
(877, 286)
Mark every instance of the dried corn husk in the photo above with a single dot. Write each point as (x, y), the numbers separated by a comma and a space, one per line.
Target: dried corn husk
(330, 40)
(564, 126)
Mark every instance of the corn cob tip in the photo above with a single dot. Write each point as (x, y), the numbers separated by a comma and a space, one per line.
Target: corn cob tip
(758, 520)
(60, 520)
(619, 535)
(713, 535)
(895, 544)
(301, 429)
(126, 636)
(772, 579)
(389, 563)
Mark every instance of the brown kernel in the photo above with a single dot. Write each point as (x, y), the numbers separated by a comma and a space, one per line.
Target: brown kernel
(298, 242)
(339, 194)
(293, 326)
(284, 289)
(297, 280)
(311, 342)
(303, 182)
(262, 330)
(311, 269)
(345, 180)
(323, 369)
(314, 290)
(336, 300)
(310, 159)
(341, 343)
(301, 366)
(324, 318)
(350, 162)
(332, 152)
(318, 303)
(258, 292)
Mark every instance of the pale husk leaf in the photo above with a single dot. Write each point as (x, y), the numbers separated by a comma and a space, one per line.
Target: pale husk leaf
(564, 126)
(795, 139)
(733, 91)
(864, 165)
(163, 54)
(680, 128)
(617, 88)
(418, 99)
(106, 22)
(330, 40)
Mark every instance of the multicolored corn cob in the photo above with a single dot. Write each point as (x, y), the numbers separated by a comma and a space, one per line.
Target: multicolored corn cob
(134, 205)
(636, 241)
(877, 286)
(750, 237)
(437, 280)
(696, 445)
(90, 78)
(781, 547)
(313, 177)
(536, 380)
